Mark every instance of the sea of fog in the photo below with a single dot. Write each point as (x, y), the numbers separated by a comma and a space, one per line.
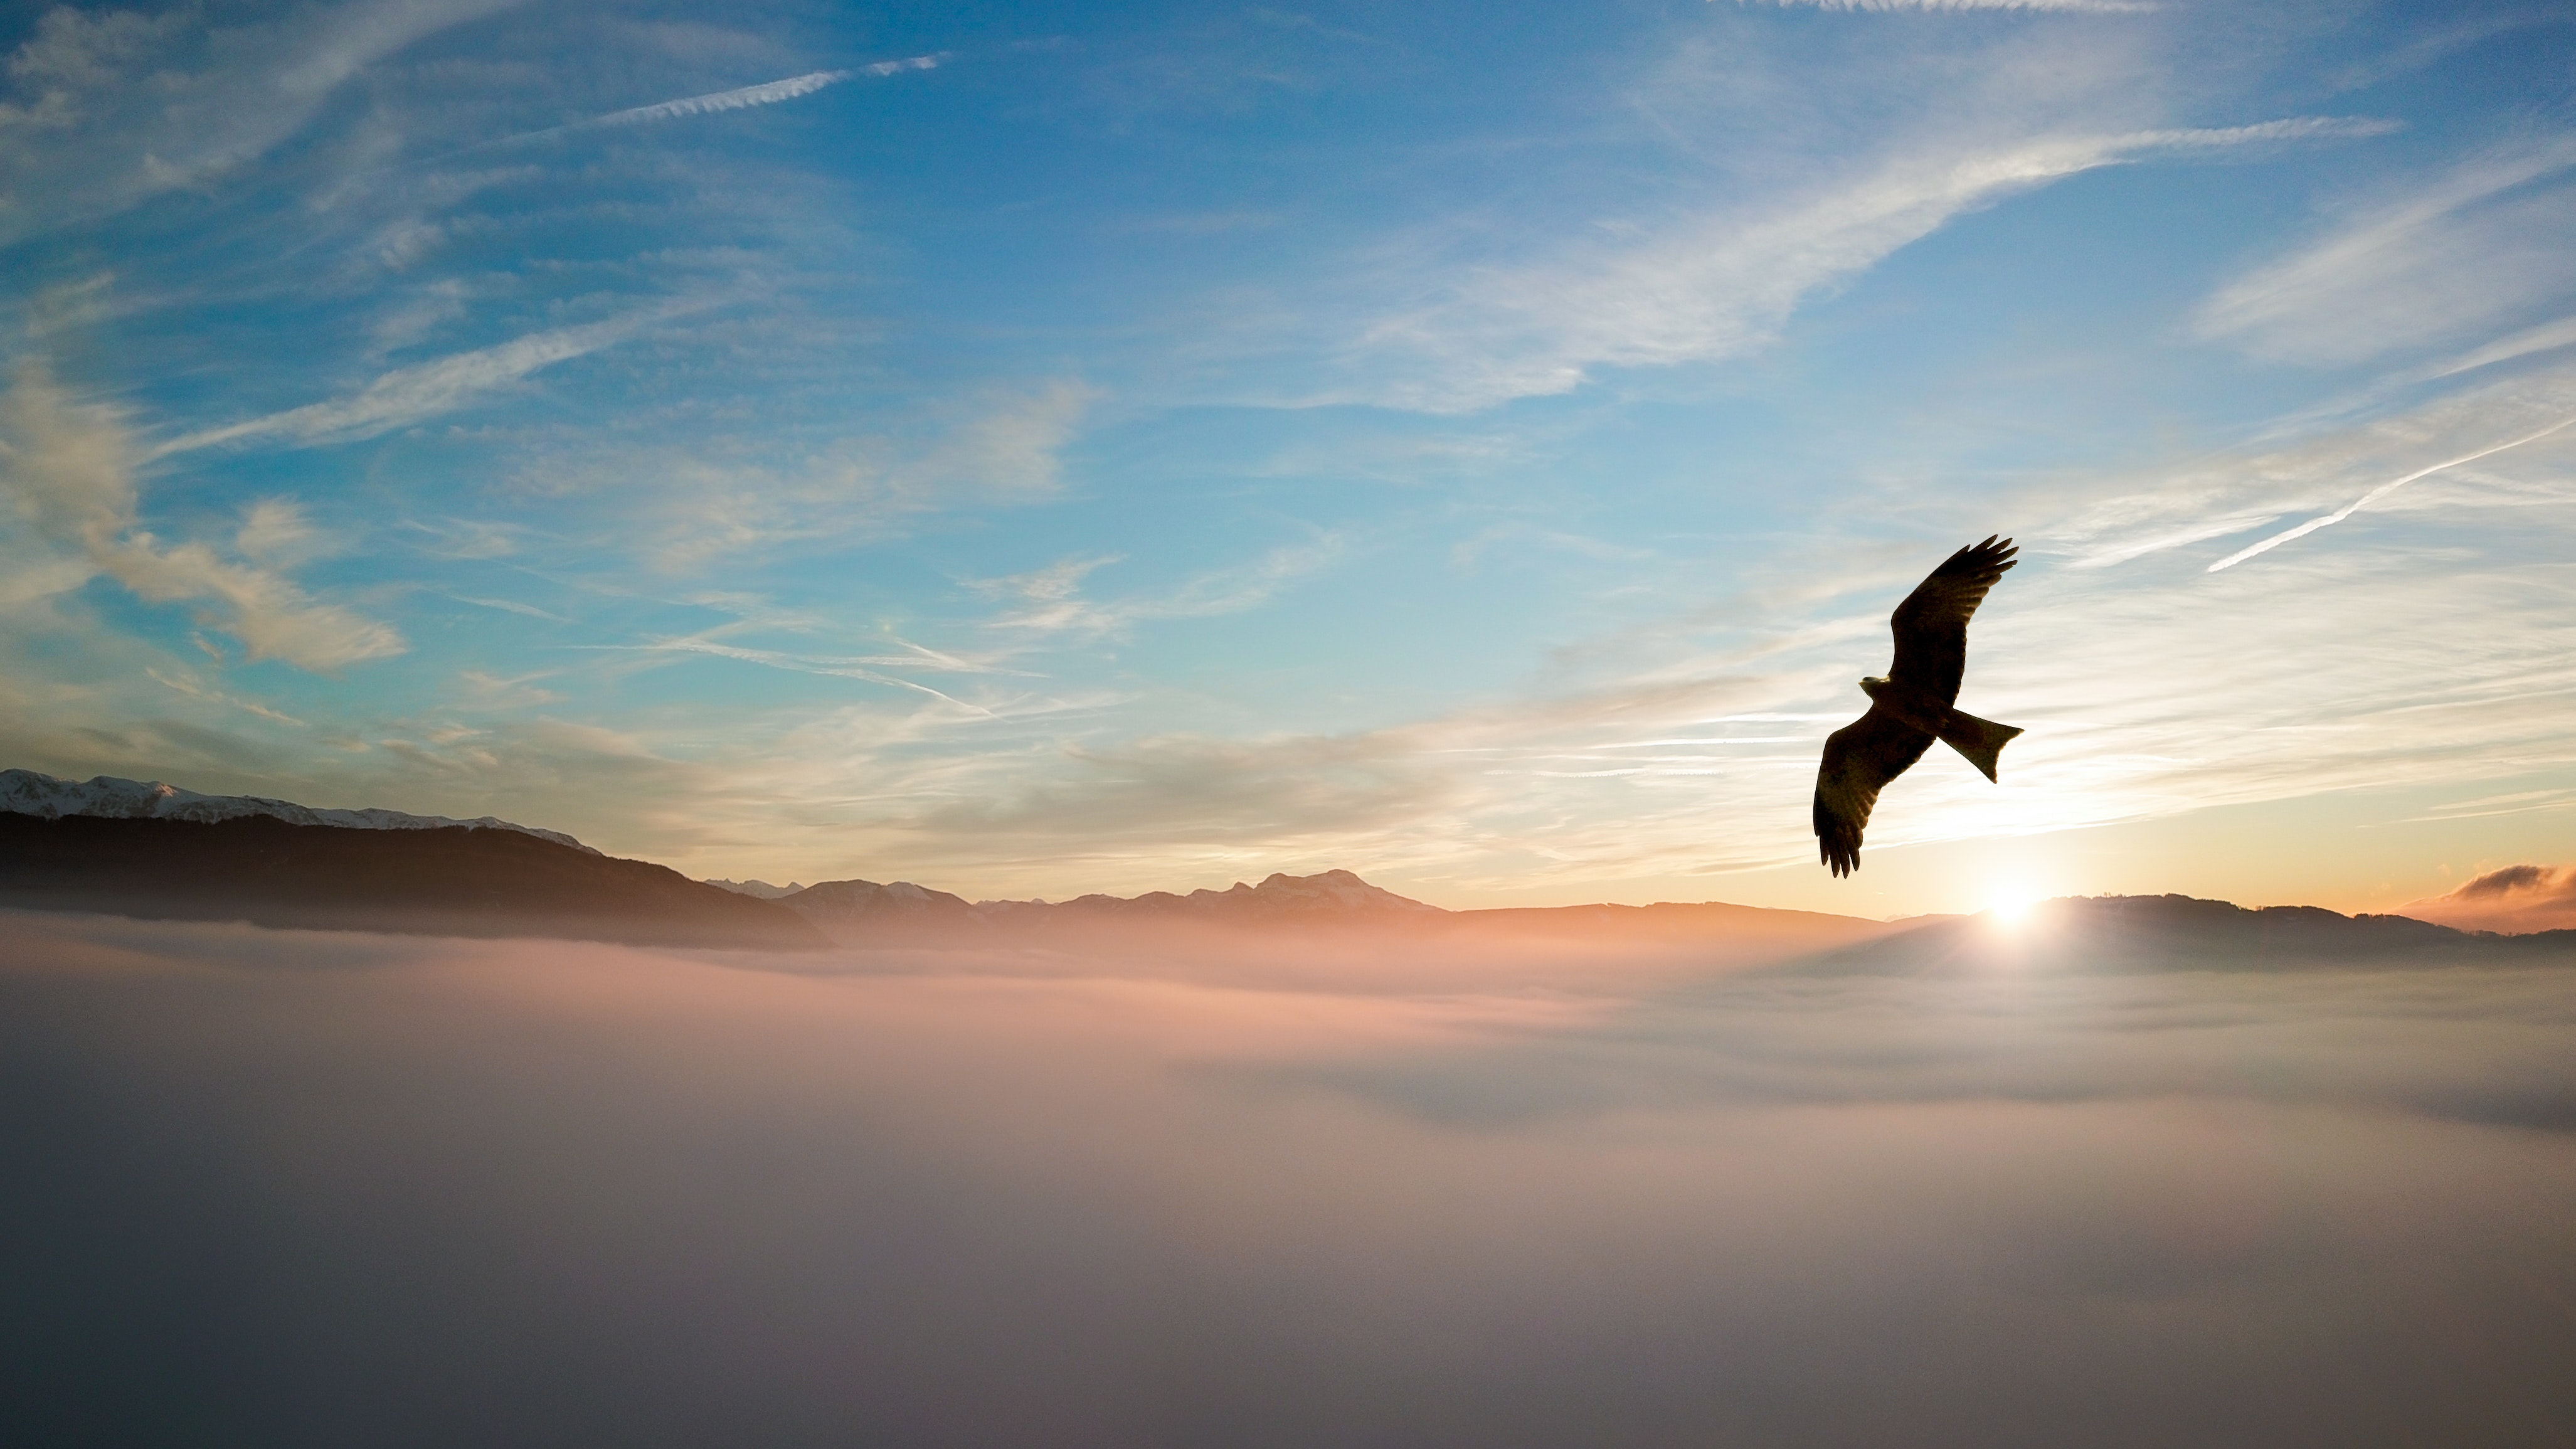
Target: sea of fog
(291, 1188)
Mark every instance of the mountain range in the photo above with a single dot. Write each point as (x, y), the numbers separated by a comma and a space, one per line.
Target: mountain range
(142, 848)
(25, 792)
(1327, 905)
(131, 848)
(2101, 933)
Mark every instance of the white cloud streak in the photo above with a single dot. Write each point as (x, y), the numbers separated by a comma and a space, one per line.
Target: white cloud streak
(511, 606)
(2474, 248)
(1055, 604)
(413, 394)
(196, 689)
(1724, 285)
(2547, 337)
(840, 668)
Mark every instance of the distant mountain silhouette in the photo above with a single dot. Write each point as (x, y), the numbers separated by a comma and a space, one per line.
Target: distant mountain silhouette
(451, 880)
(1330, 905)
(864, 911)
(2126, 934)
(844, 908)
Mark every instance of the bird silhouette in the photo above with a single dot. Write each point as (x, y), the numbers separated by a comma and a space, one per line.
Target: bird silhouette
(1910, 706)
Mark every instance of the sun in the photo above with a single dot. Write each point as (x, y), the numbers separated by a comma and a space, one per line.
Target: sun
(2010, 903)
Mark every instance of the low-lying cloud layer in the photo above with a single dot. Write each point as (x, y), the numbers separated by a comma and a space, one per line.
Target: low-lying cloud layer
(285, 1188)
(2513, 900)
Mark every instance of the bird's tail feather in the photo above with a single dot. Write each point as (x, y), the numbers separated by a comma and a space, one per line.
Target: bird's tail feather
(1979, 740)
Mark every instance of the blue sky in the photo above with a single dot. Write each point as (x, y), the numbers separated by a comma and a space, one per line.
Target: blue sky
(1034, 449)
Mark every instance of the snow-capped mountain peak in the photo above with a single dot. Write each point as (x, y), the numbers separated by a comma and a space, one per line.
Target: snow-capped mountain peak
(27, 792)
(756, 889)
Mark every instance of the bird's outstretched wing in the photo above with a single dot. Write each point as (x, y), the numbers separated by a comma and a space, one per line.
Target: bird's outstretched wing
(1932, 624)
(1860, 758)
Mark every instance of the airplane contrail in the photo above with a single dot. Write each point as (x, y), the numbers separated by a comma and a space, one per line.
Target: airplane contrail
(764, 94)
(759, 95)
(2373, 496)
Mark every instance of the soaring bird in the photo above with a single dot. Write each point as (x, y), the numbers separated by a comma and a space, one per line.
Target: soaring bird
(1910, 706)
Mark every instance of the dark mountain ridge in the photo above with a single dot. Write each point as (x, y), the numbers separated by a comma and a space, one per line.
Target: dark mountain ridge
(866, 911)
(449, 881)
(1328, 900)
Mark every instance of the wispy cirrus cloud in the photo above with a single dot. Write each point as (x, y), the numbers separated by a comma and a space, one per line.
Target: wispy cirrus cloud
(1005, 447)
(128, 106)
(1052, 602)
(868, 667)
(485, 690)
(512, 606)
(2475, 247)
(2547, 337)
(1052, 584)
(187, 683)
(1724, 284)
(413, 394)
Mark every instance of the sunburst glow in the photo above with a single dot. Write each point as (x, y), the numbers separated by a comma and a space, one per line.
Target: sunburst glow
(2010, 904)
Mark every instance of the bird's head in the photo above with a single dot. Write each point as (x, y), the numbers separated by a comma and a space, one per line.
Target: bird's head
(1873, 684)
